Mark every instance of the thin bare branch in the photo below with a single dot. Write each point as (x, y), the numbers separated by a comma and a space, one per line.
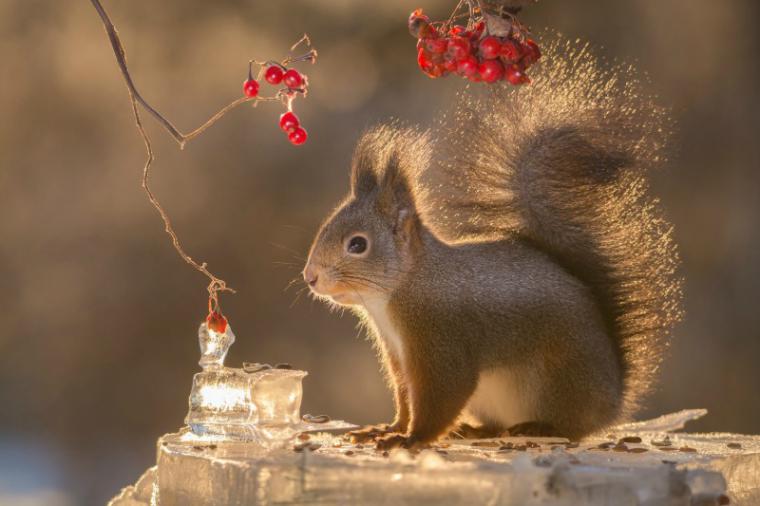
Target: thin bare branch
(216, 284)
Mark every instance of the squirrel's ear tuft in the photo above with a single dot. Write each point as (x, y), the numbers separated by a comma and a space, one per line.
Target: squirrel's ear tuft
(395, 189)
(395, 198)
(363, 177)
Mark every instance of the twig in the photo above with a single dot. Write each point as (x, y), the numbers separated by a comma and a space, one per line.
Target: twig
(216, 117)
(453, 15)
(216, 284)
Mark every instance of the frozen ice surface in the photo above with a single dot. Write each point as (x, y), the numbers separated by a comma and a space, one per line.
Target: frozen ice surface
(664, 423)
(665, 468)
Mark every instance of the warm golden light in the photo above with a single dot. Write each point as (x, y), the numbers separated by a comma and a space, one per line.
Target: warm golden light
(223, 397)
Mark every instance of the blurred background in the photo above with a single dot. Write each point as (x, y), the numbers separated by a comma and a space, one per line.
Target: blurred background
(99, 315)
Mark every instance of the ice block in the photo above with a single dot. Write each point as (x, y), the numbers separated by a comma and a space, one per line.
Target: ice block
(641, 465)
(259, 404)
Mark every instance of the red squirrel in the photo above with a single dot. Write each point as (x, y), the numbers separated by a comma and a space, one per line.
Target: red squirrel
(510, 263)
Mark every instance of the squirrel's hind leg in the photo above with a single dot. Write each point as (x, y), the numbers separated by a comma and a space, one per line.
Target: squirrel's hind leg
(467, 431)
(487, 431)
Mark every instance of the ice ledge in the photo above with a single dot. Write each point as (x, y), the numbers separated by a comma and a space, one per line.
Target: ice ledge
(639, 464)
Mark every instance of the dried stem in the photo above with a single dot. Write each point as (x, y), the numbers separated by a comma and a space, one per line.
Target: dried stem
(454, 13)
(216, 284)
(500, 19)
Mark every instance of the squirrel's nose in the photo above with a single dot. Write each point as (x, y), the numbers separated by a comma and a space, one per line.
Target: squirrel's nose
(310, 275)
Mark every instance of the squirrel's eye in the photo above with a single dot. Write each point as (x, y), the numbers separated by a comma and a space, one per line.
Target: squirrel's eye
(357, 245)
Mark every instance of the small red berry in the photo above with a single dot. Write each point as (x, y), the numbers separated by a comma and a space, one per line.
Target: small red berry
(431, 64)
(490, 48)
(468, 66)
(289, 121)
(216, 322)
(423, 60)
(510, 51)
(273, 74)
(437, 70)
(449, 63)
(459, 48)
(251, 88)
(418, 14)
(456, 30)
(297, 136)
(479, 27)
(491, 70)
(436, 46)
(531, 52)
(419, 25)
(292, 78)
(516, 75)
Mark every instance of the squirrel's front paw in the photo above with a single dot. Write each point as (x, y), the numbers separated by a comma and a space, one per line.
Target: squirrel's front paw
(369, 433)
(399, 441)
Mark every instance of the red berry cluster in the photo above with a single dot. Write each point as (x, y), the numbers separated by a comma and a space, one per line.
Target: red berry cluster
(291, 125)
(295, 82)
(472, 53)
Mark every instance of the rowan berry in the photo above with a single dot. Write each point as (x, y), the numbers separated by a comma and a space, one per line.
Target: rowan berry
(531, 52)
(490, 48)
(510, 51)
(273, 74)
(289, 121)
(468, 66)
(459, 47)
(516, 75)
(292, 78)
(251, 88)
(297, 136)
(491, 71)
(216, 322)
(436, 46)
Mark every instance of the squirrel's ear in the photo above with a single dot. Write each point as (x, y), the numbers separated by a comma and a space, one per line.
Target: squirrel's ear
(405, 227)
(363, 178)
(396, 200)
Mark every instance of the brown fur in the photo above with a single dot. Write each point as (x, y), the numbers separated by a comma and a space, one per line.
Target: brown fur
(528, 245)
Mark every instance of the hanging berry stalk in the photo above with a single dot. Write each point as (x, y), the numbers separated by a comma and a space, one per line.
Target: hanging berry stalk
(295, 84)
(492, 45)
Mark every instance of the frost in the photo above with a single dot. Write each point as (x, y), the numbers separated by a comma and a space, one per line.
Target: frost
(665, 423)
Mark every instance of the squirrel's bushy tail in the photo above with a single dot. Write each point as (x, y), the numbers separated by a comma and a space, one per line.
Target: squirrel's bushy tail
(561, 163)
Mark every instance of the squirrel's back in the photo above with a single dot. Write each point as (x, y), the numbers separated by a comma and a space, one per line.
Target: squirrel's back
(561, 164)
